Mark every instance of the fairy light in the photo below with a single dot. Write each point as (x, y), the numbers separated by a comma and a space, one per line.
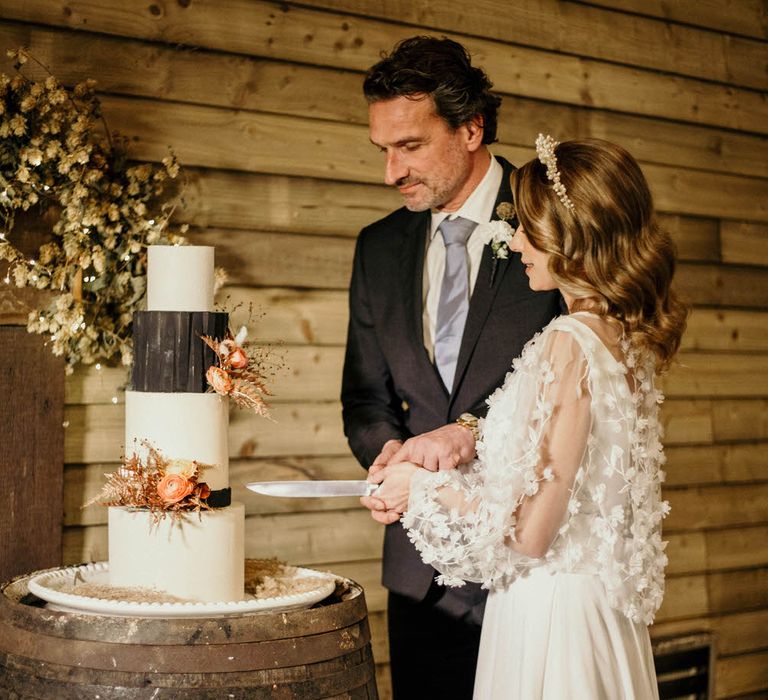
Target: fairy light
(46, 187)
(2, 236)
(114, 399)
(127, 257)
(98, 366)
(151, 222)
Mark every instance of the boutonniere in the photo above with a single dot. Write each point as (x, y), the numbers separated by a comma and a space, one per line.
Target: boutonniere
(498, 233)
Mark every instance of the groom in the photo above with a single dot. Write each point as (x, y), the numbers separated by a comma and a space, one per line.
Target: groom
(435, 322)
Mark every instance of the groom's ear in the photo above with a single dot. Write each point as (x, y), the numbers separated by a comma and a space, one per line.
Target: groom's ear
(475, 129)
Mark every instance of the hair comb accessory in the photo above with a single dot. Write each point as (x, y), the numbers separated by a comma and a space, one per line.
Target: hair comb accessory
(545, 148)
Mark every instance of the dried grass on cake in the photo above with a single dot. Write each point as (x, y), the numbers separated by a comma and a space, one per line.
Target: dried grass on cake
(122, 594)
(270, 578)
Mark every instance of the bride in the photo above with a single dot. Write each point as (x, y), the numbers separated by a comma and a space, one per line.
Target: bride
(560, 514)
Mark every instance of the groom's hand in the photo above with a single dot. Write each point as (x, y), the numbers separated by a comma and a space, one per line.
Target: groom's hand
(443, 448)
(383, 458)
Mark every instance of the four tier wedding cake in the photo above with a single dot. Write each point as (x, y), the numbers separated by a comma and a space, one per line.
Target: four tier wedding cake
(177, 427)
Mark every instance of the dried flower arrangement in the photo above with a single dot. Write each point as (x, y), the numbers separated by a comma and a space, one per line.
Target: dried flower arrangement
(270, 578)
(240, 370)
(57, 156)
(164, 486)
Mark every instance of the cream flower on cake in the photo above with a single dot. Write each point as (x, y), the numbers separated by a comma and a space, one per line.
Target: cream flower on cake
(183, 467)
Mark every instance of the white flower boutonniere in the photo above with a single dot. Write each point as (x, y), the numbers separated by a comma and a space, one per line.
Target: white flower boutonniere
(498, 234)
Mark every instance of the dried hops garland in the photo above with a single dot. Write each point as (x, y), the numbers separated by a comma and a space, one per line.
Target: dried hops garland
(57, 157)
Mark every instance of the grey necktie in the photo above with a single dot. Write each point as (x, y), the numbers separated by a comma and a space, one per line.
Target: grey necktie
(454, 297)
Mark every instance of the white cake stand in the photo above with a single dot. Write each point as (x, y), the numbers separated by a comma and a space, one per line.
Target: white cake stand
(98, 574)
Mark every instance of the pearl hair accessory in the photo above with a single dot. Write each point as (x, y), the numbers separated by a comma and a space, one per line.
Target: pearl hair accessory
(545, 148)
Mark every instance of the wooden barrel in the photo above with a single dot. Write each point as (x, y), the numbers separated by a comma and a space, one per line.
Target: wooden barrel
(321, 652)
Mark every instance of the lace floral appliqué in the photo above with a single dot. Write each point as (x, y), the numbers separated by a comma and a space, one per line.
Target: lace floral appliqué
(463, 521)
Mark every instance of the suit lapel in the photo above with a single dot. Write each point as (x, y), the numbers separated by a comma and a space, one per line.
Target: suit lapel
(486, 287)
(411, 266)
(412, 252)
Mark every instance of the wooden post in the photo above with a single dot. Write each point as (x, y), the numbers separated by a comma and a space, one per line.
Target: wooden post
(31, 446)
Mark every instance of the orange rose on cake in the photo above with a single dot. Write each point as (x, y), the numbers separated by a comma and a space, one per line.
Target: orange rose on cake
(219, 380)
(174, 488)
(237, 358)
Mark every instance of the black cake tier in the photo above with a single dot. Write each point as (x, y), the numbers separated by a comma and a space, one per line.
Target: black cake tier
(168, 353)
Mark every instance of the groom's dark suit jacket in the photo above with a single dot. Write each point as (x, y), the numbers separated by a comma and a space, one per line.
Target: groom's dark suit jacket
(390, 388)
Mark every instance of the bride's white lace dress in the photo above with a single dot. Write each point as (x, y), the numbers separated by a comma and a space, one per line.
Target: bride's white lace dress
(578, 429)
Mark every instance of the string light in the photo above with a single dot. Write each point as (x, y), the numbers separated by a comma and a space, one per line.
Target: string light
(114, 399)
(98, 366)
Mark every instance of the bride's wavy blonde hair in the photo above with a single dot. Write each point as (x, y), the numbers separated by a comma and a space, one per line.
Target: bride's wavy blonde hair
(608, 248)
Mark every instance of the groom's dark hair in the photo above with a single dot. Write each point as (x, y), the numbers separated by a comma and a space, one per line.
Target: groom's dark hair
(442, 69)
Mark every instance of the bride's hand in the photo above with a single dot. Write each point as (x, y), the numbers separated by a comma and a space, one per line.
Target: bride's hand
(390, 500)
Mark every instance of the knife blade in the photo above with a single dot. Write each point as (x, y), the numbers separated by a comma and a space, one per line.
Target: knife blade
(312, 489)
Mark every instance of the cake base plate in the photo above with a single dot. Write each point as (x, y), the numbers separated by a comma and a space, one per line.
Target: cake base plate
(98, 574)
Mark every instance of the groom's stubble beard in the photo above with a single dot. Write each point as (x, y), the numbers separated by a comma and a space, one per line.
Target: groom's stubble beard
(432, 195)
(440, 186)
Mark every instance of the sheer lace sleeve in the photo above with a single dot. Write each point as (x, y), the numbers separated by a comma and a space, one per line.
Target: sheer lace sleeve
(492, 518)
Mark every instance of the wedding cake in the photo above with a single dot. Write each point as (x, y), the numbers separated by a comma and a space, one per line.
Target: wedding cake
(174, 419)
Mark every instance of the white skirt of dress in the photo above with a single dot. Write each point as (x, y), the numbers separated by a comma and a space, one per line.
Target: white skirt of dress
(553, 636)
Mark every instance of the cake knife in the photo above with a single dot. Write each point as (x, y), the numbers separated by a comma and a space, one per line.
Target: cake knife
(313, 489)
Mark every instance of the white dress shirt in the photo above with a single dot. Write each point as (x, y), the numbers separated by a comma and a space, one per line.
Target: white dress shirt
(478, 207)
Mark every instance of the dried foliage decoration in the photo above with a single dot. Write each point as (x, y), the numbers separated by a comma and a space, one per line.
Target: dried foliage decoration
(240, 371)
(57, 156)
(154, 485)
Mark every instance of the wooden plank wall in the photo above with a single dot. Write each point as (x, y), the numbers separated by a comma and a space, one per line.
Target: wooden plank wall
(261, 101)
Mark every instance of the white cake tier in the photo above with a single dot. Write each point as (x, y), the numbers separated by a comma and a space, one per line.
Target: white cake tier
(181, 426)
(180, 278)
(198, 557)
